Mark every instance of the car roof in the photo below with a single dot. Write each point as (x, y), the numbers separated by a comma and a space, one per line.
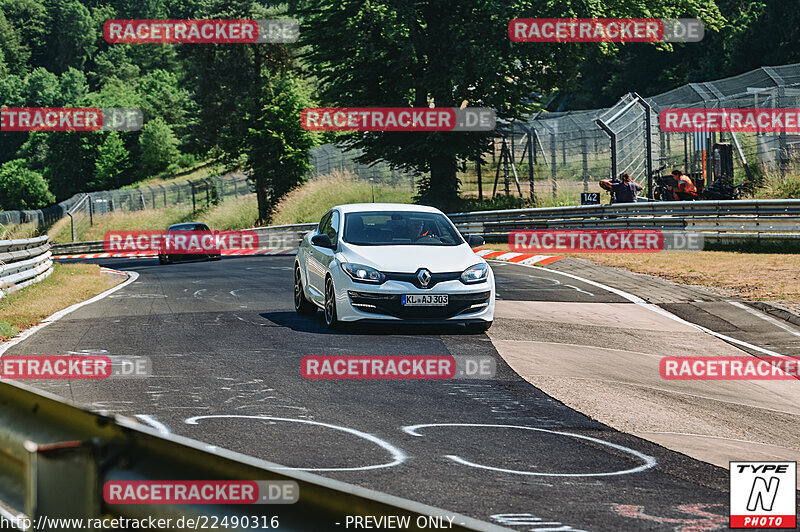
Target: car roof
(186, 224)
(403, 207)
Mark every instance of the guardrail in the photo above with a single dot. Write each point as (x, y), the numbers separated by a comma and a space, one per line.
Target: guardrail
(717, 220)
(736, 220)
(24, 262)
(55, 459)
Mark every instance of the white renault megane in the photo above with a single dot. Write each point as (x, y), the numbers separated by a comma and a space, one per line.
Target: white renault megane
(392, 262)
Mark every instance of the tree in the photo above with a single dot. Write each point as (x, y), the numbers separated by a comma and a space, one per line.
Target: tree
(72, 42)
(277, 149)
(444, 52)
(159, 146)
(112, 162)
(21, 188)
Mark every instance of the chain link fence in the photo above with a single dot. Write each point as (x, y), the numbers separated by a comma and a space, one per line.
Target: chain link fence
(83, 208)
(330, 158)
(563, 154)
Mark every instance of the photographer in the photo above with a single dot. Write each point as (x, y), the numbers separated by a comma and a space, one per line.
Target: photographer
(624, 190)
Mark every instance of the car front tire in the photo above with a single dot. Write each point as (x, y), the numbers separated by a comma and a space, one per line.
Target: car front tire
(302, 306)
(331, 318)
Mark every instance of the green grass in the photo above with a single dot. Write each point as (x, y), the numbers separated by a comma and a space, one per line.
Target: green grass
(11, 232)
(67, 285)
(310, 201)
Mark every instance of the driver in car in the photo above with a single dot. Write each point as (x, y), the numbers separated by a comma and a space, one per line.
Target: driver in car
(418, 229)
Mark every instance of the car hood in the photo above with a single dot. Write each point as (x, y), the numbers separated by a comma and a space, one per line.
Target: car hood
(408, 259)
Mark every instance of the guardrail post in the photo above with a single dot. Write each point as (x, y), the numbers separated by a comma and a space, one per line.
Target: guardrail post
(63, 482)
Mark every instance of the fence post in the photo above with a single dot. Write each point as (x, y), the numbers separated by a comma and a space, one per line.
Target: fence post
(648, 142)
(480, 177)
(194, 201)
(613, 138)
(553, 164)
(585, 161)
(531, 160)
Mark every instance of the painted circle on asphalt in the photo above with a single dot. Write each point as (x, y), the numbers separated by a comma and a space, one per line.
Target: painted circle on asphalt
(397, 456)
(649, 461)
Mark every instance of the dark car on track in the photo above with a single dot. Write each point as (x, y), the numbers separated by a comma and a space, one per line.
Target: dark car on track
(167, 258)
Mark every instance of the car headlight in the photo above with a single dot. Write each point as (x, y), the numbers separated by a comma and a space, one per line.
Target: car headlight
(475, 274)
(363, 274)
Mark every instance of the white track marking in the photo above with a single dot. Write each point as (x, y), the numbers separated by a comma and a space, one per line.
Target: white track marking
(764, 317)
(708, 436)
(153, 422)
(649, 461)
(398, 456)
(132, 276)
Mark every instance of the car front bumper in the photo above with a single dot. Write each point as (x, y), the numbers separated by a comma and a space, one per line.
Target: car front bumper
(466, 303)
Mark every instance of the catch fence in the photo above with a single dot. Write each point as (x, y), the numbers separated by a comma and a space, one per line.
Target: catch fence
(561, 154)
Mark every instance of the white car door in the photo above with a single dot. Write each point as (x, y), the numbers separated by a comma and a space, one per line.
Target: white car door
(320, 257)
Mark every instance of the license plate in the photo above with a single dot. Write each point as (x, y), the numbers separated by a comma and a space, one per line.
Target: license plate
(425, 300)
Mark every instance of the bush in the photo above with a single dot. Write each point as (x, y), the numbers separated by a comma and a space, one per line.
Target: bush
(790, 188)
(494, 204)
(21, 188)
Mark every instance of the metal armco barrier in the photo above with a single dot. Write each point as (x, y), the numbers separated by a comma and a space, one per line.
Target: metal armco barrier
(721, 221)
(55, 459)
(736, 220)
(23, 262)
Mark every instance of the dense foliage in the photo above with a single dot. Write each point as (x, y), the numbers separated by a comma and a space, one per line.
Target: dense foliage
(240, 104)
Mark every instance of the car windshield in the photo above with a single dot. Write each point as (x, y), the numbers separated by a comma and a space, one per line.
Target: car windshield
(189, 227)
(395, 228)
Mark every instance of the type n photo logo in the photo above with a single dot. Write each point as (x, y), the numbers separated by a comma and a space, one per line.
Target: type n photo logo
(763, 494)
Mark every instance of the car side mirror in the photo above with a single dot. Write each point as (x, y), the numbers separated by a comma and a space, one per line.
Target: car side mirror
(323, 241)
(475, 241)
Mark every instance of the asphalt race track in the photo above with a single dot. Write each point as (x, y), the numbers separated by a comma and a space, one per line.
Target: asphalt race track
(226, 346)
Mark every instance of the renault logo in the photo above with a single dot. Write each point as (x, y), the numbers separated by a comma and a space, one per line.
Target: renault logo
(424, 277)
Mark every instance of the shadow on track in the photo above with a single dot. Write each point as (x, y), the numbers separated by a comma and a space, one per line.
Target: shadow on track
(316, 324)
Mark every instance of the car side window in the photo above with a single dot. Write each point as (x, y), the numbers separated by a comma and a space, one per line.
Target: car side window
(333, 227)
(324, 224)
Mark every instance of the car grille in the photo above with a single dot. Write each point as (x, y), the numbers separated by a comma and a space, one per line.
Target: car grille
(390, 305)
(412, 278)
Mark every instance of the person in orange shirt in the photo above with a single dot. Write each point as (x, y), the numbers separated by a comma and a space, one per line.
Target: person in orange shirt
(684, 189)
